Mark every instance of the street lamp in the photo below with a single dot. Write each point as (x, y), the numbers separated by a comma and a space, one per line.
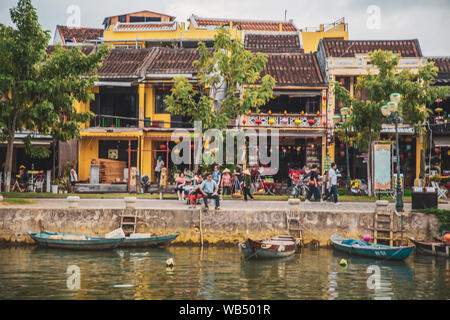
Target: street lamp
(390, 111)
(345, 115)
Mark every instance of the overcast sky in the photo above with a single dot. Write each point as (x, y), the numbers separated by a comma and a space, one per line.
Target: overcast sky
(426, 20)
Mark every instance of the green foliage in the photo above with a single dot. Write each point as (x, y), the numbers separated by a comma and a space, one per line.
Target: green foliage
(415, 88)
(443, 217)
(230, 66)
(38, 90)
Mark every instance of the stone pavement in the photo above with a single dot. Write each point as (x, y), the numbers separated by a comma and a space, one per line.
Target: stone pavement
(228, 205)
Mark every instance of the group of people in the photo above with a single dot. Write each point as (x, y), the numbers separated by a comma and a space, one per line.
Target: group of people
(331, 184)
(213, 185)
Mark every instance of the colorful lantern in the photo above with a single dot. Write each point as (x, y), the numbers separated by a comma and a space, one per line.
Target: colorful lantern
(244, 121)
(192, 146)
(409, 154)
(258, 121)
(315, 138)
(324, 123)
(163, 146)
(311, 122)
(303, 112)
(249, 111)
(285, 121)
(402, 156)
(285, 112)
(270, 112)
(271, 120)
(298, 122)
(437, 150)
(342, 153)
(341, 145)
(324, 98)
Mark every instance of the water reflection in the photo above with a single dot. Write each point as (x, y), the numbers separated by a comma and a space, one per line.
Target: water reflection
(216, 273)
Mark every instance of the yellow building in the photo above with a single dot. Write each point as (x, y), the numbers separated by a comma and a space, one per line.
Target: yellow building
(344, 61)
(337, 30)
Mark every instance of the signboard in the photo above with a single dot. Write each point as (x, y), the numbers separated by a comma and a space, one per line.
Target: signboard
(113, 154)
(382, 166)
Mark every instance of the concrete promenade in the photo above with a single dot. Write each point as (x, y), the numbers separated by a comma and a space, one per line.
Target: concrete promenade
(234, 205)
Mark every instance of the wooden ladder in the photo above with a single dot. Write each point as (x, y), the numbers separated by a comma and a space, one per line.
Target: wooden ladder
(128, 222)
(294, 225)
(383, 229)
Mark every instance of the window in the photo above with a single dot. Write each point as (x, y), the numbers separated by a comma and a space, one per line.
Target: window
(160, 94)
(144, 19)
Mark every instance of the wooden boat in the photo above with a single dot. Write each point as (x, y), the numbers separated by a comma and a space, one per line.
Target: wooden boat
(73, 241)
(152, 241)
(366, 249)
(432, 248)
(275, 247)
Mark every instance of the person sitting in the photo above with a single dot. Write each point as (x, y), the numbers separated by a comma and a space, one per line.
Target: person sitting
(179, 186)
(22, 180)
(210, 189)
(195, 192)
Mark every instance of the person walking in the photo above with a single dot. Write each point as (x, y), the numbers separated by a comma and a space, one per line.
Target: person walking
(313, 185)
(247, 185)
(159, 164)
(73, 179)
(332, 183)
(210, 190)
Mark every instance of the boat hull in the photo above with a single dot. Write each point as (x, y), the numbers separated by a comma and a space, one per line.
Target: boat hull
(360, 248)
(94, 243)
(268, 249)
(155, 241)
(439, 249)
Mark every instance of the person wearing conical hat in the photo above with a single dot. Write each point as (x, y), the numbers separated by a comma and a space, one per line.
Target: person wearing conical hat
(247, 184)
(226, 182)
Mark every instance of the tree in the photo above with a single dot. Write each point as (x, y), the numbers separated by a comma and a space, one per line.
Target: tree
(373, 91)
(38, 91)
(228, 86)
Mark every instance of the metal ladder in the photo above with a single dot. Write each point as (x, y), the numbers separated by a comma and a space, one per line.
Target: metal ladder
(128, 222)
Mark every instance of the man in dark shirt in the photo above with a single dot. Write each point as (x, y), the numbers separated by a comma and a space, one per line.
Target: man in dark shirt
(313, 184)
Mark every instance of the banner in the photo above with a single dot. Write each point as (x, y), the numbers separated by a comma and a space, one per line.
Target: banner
(382, 166)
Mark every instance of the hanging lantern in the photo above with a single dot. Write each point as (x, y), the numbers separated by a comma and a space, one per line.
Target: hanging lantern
(437, 150)
(342, 146)
(408, 147)
(177, 141)
(324, 98)
(249, 111)
(342, 153)
(285, 112)
(438, 110)
(285, 121)
(289, 147)
(324, 123)
(258, 121)
(192, 146)
(271, 120)
(270, 112)
(315, 138)
(311, 122)
(244, 122)
(409, 154)
(298, 122)
(402, 156)
(303, 112)
(163, 146)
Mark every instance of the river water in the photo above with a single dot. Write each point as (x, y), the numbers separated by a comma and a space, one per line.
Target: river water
(215, 273)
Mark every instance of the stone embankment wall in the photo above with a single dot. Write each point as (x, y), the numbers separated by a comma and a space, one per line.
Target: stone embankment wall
(216, 227)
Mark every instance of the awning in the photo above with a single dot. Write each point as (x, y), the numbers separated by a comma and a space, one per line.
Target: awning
(113, 134)
(441, 141)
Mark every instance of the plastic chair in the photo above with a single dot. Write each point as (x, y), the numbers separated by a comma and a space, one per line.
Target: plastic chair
(442, 193)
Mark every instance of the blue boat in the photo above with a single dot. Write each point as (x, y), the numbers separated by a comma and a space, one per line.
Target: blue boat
(152, 241)
(73, 241)
(366, 249)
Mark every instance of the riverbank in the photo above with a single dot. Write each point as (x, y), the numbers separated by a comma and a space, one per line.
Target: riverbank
(235, 222)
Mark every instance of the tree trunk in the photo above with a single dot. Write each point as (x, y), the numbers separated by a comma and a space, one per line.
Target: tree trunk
(8, 163)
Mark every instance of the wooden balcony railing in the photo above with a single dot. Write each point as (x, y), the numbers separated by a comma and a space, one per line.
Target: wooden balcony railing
(284, 120)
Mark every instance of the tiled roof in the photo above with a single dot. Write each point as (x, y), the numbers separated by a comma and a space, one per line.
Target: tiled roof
(272, 43)
(348, 48)
(173, 61)
(245, 24)
(144, 26)
(443, 64)
(124, 63)
(294, 69)
(79, 35)
(85, 49)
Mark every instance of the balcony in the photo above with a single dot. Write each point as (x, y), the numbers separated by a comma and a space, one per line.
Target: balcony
(284, 120)
(108, 121)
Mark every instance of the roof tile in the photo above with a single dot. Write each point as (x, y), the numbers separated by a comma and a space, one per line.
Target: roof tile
(79, 35)
(348, 48)
(124, 63)
(173, 61)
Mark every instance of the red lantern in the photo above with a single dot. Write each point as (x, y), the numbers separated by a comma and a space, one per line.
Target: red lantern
(163, 146)
(324, 123)
(311, 122)
(341, 145)
(244, 121)
(437, 150)
(324, 98)
(342, 153)
(258, 121)
(192, 146)
(402, 156)
(409, 154)
(315, 138)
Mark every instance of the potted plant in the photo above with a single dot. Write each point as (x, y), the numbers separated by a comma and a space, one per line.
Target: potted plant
(54, 186)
